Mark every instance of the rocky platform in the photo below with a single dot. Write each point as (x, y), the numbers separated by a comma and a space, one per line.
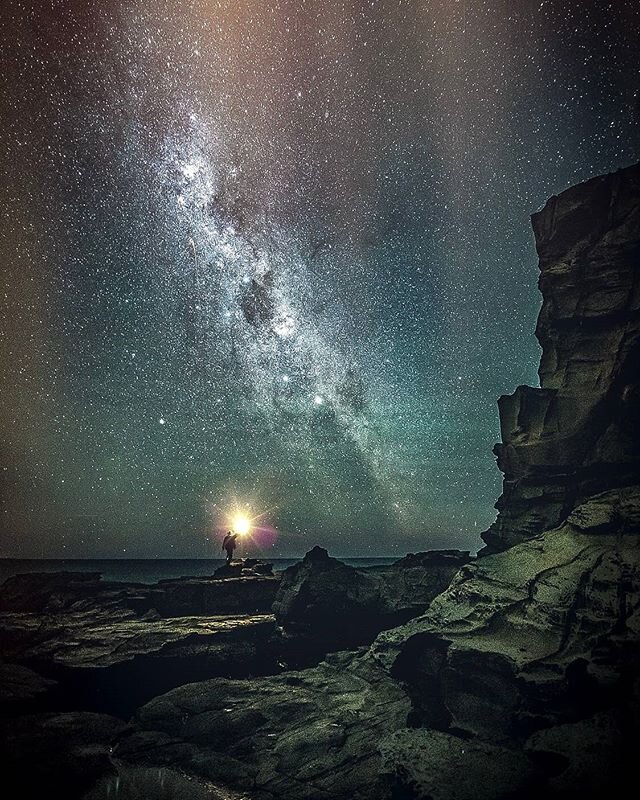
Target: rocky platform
(71, 640)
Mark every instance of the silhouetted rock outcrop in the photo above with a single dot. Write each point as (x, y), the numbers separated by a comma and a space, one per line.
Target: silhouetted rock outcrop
(577, 435)
(327, 605)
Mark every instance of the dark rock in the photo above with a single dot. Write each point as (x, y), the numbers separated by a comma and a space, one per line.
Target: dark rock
(306, 735)
(237, 593)
(57, 755)
(105, 663)
(145, 783)
(256, 566)
(430, 765)
(595, 756)
(111, 647)
(48, 591)
(20, 687)
(60, 592)
(233, 570)
(576, 436)
(332, 605)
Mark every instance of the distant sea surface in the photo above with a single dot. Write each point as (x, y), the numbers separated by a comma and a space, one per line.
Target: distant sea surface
(147, 570)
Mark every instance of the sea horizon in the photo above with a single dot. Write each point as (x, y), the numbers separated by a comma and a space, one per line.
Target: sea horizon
(151, 570)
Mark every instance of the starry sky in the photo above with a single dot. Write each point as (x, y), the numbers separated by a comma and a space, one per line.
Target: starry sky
(276, 257)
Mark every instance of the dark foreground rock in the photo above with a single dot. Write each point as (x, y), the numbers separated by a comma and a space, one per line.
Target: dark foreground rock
(89, 644)
(57, 755)
(307, 734)
(21, 687)
(323, 604)
(153, 783)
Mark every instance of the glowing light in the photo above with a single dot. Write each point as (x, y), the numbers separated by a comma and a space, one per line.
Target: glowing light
(241, 524)
(318, 400)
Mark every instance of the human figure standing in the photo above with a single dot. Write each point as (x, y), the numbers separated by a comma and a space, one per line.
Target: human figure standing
(229, 544)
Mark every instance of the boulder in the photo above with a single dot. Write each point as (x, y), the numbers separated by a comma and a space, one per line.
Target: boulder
(325, 604)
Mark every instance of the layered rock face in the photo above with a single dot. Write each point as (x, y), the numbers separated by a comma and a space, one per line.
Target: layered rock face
(576, 435)
(73, 640)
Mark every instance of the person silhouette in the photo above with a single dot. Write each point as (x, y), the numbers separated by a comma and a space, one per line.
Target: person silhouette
(229, 544)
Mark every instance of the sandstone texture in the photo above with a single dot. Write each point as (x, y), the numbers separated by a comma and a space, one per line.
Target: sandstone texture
(577, 435)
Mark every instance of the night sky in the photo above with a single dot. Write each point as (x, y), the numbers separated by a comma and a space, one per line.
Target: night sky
(276, 257)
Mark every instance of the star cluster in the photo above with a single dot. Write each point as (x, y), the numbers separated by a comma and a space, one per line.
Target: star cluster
(278, 254)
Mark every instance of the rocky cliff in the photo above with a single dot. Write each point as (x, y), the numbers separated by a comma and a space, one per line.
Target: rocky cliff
(576, 435)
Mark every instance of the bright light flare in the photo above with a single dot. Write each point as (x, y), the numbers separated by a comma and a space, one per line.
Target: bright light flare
(241, 524)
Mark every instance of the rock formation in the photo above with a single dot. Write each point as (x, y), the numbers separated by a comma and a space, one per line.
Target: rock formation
(576, 435)
(73, 640)
(324, 605)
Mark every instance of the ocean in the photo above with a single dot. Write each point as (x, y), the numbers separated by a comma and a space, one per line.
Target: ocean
(147, 570)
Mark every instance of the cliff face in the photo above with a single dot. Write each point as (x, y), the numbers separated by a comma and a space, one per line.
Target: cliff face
(576, 435)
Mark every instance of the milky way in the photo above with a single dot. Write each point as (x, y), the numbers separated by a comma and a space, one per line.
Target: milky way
(276, 256)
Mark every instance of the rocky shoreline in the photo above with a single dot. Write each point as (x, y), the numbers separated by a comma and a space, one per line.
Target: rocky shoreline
(439, 677)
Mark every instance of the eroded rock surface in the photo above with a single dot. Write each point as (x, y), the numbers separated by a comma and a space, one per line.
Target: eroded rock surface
(309, 734)
(112, 646)
(577, 435)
